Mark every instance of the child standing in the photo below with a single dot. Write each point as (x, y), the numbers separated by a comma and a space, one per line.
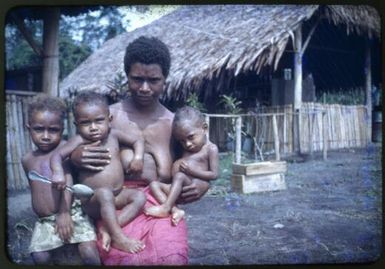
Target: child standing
(199, 160)
(92, 119)
(61, 219)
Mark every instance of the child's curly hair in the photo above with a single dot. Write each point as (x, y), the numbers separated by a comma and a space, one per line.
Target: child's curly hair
(89, 97)
(44, 102)
(189, 114)
(147, 50)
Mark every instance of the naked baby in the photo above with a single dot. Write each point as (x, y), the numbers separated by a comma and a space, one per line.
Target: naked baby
(92, 119)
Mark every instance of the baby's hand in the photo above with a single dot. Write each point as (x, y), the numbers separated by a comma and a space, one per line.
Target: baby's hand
(136, 166)
(185, 168)
(58, 182)
(64, 226)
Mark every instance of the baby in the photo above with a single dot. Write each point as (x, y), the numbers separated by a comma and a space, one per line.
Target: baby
(92, 120)
(199, 160)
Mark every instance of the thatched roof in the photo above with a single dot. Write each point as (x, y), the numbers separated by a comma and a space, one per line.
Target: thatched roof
(210, 40)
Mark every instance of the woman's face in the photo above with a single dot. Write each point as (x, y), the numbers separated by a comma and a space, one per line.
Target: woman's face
(146, 83)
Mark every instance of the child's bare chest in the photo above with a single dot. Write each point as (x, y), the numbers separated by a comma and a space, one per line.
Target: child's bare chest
(199, 159)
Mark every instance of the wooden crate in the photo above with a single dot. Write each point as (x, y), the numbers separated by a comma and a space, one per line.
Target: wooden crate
(259, 177)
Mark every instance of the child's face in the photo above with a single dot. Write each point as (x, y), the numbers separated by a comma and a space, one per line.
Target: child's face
(45, 128)
(92, 121)
(192, 137)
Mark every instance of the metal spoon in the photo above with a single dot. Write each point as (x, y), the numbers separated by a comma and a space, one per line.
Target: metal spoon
(79, 190)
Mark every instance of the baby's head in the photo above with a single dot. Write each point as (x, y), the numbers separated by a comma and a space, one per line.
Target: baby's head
(189, 128)
(46, 121)
(92, 115)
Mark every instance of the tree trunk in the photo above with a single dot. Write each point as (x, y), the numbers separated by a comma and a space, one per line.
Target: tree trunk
(51, 52)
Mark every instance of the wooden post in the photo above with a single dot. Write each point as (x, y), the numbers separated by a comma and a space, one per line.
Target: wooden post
(311, 126)
(207, 119)
(51, 52)
(368, 87)
(298, 68)
(325, 133)
(297, 89)
(238, 139)
(276, 138)
(10, 164)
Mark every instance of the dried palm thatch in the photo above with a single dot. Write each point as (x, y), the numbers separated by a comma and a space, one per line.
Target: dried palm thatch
(217, 41)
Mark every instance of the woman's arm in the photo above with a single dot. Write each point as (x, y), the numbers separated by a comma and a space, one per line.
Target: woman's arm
(135, 141)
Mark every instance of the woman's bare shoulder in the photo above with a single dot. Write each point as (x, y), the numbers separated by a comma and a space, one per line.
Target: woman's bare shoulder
(116, 107)
(167, 114)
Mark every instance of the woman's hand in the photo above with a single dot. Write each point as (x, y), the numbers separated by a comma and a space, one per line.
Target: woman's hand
(91, 156)
(194, 191)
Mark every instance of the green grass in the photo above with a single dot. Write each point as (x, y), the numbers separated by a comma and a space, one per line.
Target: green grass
(222, 185)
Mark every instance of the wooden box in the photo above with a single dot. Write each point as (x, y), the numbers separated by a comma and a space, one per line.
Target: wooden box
(259, 177)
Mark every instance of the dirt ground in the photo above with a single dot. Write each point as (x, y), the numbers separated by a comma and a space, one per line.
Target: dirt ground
(331, 212)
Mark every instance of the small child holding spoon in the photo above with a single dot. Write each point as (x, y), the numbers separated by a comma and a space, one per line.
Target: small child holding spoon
(61, 220)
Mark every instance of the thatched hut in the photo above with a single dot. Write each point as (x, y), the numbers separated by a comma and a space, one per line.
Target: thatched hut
(216, 48)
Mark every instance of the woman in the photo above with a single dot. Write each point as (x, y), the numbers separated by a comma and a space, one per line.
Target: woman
(146, 64)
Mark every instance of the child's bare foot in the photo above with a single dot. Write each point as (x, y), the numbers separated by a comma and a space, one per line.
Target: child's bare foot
(128, 245)
(106, 238)
(177, 215)
(159, 211)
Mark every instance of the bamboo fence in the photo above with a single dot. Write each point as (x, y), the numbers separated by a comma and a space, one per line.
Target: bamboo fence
(323, 127)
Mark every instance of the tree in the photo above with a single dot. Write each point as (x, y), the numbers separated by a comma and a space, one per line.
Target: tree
(48, 51)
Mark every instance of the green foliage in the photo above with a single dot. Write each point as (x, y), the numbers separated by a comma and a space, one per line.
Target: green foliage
(231, 104)
(118, 83)
(193, 101)
(353, 96)
(78, 36)
(18, 52)
(71, 55)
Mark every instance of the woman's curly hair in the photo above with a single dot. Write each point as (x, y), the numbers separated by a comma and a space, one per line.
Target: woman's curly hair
(147, 50)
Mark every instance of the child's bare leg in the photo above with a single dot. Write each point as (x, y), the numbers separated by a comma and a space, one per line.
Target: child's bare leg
(131, 203)
(105, 237)
(89, 253)
(160, 191)
(176, 215)
(104, 199)
(41, 257)
(163, 210)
